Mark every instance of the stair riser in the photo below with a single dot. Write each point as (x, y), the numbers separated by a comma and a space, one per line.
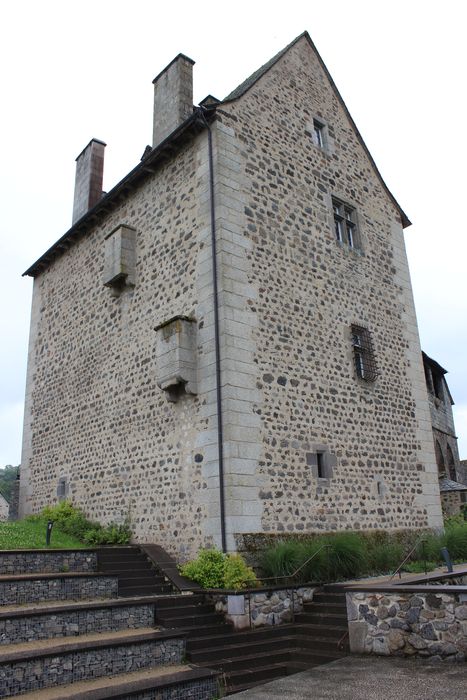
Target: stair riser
(230, 652)
(321, 620)
(186, 611)
(190, 620)
(70, 623)
(127, 566)
(245, 680)
(127, 581)
(229, 666)
(325, 609)
(132, 591)
(323, 630)
(231, 637)
(180, 600)
(47, 672)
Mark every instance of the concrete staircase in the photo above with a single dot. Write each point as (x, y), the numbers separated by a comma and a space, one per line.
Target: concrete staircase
(252, 657)
(114, 627)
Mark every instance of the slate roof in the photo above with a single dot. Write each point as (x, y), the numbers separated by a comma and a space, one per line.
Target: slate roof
(447, 486)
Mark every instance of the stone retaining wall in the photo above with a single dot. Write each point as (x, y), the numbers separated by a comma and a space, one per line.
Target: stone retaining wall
(263, 607)
(49, 671)
(37, 590)
(47, 562)
(70, 623)
(409, 623)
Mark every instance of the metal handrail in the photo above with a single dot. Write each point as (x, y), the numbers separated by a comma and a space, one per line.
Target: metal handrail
(398, 570)
(289, 576)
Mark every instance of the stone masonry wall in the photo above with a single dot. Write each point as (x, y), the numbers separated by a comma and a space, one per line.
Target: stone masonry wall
(103, 424)
(309, 290)
(421, 624)
(35, 590)
(71, 623)
(264, 608)
(47, 562)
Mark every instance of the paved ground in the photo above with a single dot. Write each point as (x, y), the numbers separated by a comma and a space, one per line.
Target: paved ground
(368, 678)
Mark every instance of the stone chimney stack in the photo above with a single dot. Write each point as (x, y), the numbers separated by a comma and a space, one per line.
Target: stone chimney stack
(173, 97)
(89, 177)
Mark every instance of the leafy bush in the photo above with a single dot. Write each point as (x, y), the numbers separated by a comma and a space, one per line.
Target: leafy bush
(456, 540)
(74, 522)
(237, 574)
(207, 569)
(213, 569)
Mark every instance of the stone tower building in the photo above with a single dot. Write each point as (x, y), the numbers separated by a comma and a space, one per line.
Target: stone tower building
(280, 390)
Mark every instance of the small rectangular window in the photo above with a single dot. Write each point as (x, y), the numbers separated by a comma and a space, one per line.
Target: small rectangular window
(318, 133)
(320, 465)
(364, 359)
(345, 224)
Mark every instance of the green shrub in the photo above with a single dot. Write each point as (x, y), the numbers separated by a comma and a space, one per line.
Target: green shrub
(419, 567)
(237, 574)
(74, 522)
(207, 569)
(313, 561)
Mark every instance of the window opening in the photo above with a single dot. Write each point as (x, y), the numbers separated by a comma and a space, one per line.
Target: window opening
(318, 133)
(365, 364)
(320, 465)
(345, 226)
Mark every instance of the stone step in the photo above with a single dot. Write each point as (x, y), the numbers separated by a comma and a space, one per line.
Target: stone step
(52, 620)
(249, 678)
(185, 611)
(238, 649)
(48, 663)
(325, 608)
(328, 631)
(321, 618)
(180, 600)
(163, 682)
(189, 620)
(144, 590)
(127, 566)
(244, 637)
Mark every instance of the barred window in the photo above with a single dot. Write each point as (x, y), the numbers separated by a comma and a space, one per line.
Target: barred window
(364, 357)
(345, 224)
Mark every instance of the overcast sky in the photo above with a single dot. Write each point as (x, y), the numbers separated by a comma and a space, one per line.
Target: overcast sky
(76, 70)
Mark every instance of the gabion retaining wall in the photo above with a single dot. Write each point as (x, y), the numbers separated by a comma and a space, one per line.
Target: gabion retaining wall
(47, 562)
(70, 623)
(409, 623)
(74, 588)
(264, 607)
(47, 671)
(206, 689)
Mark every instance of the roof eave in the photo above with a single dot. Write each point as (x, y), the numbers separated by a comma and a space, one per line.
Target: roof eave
(146, 167)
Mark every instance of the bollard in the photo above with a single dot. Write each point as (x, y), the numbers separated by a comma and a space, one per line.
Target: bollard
(447, 558)
(50, 525)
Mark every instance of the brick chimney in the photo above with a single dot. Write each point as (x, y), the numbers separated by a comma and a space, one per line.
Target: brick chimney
(89, 176)
(173, 97)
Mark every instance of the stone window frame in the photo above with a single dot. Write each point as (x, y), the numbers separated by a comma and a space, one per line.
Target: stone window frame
(62, 488)
(322, 467)
(364, 358)
(325, 143)
(336, 200)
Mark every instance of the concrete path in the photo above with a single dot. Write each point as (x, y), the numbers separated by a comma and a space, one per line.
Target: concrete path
(368, 678)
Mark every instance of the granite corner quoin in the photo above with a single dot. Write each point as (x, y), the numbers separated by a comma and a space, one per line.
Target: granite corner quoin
(309, 247)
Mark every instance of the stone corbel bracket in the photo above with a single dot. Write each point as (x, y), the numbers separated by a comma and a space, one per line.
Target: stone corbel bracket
(176, 357)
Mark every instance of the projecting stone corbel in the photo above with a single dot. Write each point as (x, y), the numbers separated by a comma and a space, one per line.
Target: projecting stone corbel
(176, 357)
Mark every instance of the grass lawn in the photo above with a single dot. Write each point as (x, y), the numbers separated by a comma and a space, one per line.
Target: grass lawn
(30, 534)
